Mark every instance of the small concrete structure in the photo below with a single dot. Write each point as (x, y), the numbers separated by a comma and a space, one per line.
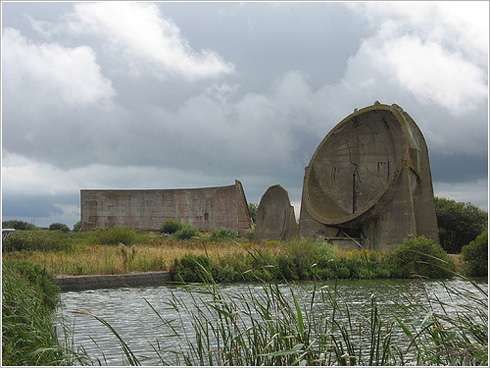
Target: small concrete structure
(206, 209)
(88, 282)
(370, 180)
(275, 216)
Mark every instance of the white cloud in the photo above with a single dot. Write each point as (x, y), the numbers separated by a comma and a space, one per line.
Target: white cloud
(460, 25)
(431, 73)
(69, 75)
(147, 38)
(436, 50)
(24, 175)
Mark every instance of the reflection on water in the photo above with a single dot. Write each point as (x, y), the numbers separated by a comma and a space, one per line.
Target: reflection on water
(128, 311)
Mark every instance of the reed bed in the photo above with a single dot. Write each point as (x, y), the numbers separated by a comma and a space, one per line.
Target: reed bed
(29, 297)
(230, 260)
(157, 255)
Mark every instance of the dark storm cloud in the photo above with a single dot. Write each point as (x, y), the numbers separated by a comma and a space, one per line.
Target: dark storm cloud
(312, 37)
(35, 205)
(458, 168)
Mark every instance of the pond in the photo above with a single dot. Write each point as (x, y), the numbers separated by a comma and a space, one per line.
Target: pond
(134, 312)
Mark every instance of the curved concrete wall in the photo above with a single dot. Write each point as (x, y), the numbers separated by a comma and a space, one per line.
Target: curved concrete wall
(206, 209)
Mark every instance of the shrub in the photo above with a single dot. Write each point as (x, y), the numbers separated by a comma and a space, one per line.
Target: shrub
(252, 207)
(250, 234)
(191, 268)
(324, 254)
(422, 258)
(38, 241)
(187, 232)
(475, 255)
(323, 273)
(113, 236)
(287, 268)
(59, 226)
(223, 234)
(171, 227)
(77, 226)
(459, 223)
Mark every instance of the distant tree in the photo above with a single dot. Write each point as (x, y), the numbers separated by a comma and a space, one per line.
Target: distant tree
(459, 223)
(253, 211)
(59, 226)
(77, 226)
(18, 225)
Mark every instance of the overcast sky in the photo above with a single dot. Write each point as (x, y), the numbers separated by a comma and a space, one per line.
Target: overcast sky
(184, 95)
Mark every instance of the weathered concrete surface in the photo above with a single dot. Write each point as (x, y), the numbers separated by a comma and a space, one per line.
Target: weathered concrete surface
(370, 179)
(206, 209)
(275, 216)
(75, 283)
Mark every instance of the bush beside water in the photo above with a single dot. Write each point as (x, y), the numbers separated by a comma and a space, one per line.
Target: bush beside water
(309, 260)
(421, 257)
(475, 255)
(458, 223)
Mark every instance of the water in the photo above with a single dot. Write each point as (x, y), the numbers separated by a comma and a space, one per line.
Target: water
(128, 311)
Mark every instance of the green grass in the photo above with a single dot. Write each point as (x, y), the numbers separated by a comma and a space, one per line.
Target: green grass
(40, 241)
(29, 297)
(121, 250)
(114, 236)
(29, 323)
(305, 259)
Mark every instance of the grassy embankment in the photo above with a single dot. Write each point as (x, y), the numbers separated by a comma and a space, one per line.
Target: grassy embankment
(102, 252)
(84, 254)
(29, 298)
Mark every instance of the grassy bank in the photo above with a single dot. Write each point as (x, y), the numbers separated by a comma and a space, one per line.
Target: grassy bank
(29, 297)
(81, 255)
(304, 259)
(104, 252)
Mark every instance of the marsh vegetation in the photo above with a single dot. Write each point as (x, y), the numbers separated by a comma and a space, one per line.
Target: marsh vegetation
(278, 324)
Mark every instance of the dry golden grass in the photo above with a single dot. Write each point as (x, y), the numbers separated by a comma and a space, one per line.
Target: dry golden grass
(158, 255)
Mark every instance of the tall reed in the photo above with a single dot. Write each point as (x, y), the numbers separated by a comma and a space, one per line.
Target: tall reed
(29, 328)
(286, 324)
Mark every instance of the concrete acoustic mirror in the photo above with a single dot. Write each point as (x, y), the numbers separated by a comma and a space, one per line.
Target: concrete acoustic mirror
(370, 180)
(275, 216)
